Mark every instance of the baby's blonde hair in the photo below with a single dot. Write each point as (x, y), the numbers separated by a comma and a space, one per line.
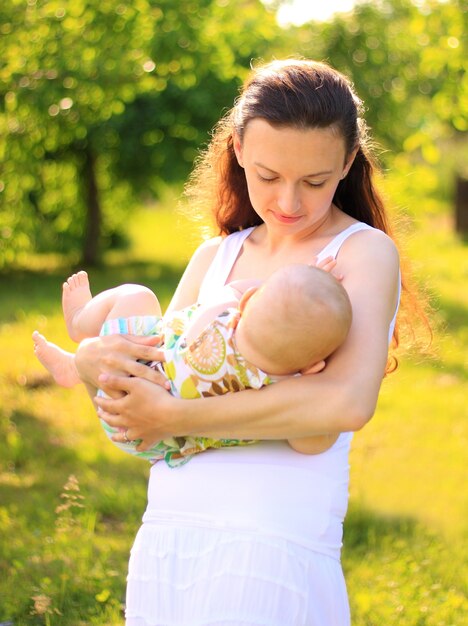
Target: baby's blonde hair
(296, 319)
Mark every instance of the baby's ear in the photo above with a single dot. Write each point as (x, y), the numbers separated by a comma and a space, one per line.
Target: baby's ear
(246, 297)
(314, 369)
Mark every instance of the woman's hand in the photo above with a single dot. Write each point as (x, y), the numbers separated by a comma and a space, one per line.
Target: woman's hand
(139, 408)
(118, 355)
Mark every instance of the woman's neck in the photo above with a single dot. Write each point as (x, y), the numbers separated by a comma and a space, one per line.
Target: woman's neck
(274, 241)
(265, 250)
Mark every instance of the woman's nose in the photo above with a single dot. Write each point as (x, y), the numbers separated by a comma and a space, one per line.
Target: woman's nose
(288, 200)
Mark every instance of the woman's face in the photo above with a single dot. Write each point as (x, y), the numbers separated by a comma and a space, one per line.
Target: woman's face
(292, 174)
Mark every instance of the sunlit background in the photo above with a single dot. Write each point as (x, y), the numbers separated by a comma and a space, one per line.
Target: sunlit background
(104, 105)
(298, 12)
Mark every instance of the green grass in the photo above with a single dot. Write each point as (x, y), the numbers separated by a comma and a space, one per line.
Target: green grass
(65, 541)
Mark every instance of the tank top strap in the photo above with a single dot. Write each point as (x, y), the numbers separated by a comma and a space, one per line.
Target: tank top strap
(223, 261)
(333, 247)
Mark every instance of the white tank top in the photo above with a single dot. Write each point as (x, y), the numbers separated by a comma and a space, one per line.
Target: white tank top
(267, 487)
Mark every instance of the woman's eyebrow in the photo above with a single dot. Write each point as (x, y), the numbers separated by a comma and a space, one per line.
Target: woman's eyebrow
(258, 164)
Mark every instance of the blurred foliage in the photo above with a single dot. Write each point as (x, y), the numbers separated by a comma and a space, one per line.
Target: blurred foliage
(408, 62)
(102, 98)
(105, 102)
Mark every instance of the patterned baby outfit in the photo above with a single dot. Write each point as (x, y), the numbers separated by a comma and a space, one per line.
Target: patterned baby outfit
(209, 366)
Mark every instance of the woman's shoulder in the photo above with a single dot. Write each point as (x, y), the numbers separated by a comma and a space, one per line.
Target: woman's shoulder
(210, 244)
(202, 258)
(375, 238)
(228, 244)
(370, 250)
(206, 251)
(190, 283)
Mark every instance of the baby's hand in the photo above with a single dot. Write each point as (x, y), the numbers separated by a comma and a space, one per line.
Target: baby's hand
(328, 264)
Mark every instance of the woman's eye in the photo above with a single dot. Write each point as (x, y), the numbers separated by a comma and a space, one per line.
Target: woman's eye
(315, 184)
(265, 180)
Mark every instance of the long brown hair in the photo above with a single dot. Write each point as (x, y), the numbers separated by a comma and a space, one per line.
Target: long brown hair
(293, 93)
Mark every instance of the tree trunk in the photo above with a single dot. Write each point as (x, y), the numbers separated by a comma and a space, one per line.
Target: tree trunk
(461, 205)
(92, 234)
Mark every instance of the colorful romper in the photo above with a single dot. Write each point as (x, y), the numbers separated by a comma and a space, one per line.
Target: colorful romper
(210, 366)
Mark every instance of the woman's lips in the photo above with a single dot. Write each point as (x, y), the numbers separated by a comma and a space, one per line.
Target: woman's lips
(287, 219)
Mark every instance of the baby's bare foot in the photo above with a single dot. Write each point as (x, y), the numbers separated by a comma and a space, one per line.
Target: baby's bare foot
(75, 295)
(58, 362)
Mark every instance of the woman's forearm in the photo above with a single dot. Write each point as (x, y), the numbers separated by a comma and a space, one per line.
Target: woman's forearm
(294, 408)
(297, 407)
(291, 409)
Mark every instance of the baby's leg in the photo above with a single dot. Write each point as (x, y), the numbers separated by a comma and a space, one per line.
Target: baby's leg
(58, 362)
(132, 300)
(84, 315)
(76, 294)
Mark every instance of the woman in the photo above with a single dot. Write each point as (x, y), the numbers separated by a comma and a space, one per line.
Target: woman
(252, 535)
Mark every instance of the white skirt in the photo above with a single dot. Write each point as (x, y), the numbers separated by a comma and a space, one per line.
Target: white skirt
(243, 536)
(193, 576)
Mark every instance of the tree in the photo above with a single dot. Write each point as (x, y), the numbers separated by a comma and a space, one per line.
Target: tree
(68, 68)
(100, 99)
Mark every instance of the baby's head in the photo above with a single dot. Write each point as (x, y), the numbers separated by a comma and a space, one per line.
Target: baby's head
(298, 317)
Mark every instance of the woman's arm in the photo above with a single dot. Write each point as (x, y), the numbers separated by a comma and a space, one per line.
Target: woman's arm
(341, 398)
(189, 285)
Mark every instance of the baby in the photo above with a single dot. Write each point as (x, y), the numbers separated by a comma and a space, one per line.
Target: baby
(256, 334)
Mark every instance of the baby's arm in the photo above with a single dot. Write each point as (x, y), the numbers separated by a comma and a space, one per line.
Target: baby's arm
(204, 316)
(313, 445)
(237, 288)
(229, 297)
